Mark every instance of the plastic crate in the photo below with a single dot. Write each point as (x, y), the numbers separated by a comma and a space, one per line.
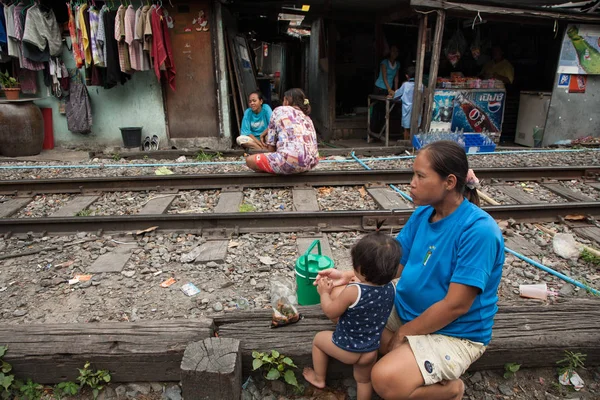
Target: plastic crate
(473, 142)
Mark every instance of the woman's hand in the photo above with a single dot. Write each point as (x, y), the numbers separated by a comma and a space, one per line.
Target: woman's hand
(338, 278)
(325, 285)
(391, 92)
(263, 137)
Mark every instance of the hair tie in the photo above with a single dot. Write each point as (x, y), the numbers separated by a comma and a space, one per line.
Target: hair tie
(472, 182)
(306, 102)
(379, 225)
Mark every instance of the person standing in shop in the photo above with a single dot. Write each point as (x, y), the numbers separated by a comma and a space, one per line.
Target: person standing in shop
(499, 68)
(385, 85)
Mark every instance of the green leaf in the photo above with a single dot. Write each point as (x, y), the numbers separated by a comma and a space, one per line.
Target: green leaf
(107, 378)
(267, 359)
(95, 393)
(514, 367)
(275, 353)
(6, 381)
(256, 354)
(6, 367)
(290, 378)
(256, 364)
(273, 374)
(280, 367)
(3, 350)
(508, 375)
(288, 361)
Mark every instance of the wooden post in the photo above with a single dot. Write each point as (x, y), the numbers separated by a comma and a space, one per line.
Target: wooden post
(433, 68)
(418, 96)
(212, 369)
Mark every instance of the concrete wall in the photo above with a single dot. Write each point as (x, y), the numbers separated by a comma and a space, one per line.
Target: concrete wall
(573, 115)
(137, 103)
(318, 80)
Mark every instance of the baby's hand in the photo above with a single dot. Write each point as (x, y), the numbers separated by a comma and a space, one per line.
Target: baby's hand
(325, 285)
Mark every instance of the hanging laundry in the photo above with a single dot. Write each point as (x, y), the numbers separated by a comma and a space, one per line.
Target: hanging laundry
(143, 32)
(3, 38)
(73, 34)
(113, 69)
(132, 44)
(124, 60)
(139, 39)
(97, 55)
(12, 44)
(85, 36)
(148, 33)
(101, 35)
(78, 107)
(28, 81)
(161, 48)
(19, 20)
(41, 36)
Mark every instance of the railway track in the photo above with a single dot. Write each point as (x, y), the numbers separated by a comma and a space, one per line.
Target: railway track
(226, 217)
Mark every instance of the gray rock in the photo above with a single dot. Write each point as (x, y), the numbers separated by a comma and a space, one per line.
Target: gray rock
(192, 255)
(212, 264)
(278, 387)
(476, 377)
(530, 275)
(156, 387)
(567, 290)
(139, 388)
(172, 393)
(260, 286)
(19, 313)
(505, 390)
(108, 394)
(128, 273)
(218, 307)
(121, 390)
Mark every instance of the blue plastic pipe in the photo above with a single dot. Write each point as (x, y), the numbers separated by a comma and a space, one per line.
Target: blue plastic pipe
(553, 272)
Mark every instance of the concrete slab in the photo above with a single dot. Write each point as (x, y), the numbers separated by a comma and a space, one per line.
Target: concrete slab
(213, 250)
(302, 243)
(388, 199)
(113, 261)
(76, 204)
(53, 155)
(524, 246)
(158, 205)
(11, 206)
(229, 201)
(305, 199)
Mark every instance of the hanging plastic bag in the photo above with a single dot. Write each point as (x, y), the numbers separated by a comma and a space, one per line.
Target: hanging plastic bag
(78, 107)
(476, 45)
(455, 47)
(283, 301)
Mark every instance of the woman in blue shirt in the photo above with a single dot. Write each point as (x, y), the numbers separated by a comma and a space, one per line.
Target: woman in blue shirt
(385, 85)
(446, 298)
(255, 123)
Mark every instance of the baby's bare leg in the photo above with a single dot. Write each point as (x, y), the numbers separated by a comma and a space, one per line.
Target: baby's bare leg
(362, 375)
(322, 349)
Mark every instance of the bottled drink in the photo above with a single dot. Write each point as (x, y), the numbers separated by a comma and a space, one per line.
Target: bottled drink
(589, 57)
(476, 117)
(446, 111)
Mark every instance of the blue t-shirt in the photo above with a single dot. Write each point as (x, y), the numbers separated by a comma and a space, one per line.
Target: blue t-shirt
(255, 124)
(390, 72)
(405, 93)
(466, 247)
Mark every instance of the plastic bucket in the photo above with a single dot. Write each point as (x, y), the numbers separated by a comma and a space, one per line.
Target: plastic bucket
(132, 136)
(307, 269)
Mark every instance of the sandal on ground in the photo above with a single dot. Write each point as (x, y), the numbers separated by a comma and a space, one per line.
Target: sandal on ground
(147, 144)
(155, 142)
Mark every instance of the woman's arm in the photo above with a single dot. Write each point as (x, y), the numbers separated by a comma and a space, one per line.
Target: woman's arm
(384, 77)
(458, 301)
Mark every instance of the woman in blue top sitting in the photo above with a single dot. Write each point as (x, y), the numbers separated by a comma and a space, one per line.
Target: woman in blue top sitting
(255, 123)
(385, 85)
(446, 298)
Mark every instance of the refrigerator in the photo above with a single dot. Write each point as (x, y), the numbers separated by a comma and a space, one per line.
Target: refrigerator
(533, 110)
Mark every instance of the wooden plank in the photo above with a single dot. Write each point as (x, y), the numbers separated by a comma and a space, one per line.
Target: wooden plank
(387, 198)
(305, 199)
(418, 95)
(594, 185)
(517, 194)
(146, 351)
(589, 233)
(525, 332)
(302, 243)
(524, 246)
(113, 261)
(12, 206)
(75, 205)
(213, 250)
(433, 68)
(158, 205)
(523, 14)
(566, 192)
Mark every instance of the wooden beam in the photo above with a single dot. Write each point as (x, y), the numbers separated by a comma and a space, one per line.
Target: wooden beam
(517, 12)
(433, 68)
(418, 95)
(148, 351)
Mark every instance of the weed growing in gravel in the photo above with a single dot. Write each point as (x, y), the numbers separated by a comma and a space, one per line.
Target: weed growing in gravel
(510, 370)
(116, 156)
(276, 366)
(201, 156)
(84, 213)
(590, 258)
(586, 283)
(7, 380)
(247, 208)
(32, 390)
(65, 389)
(571, 362)
(94, 379)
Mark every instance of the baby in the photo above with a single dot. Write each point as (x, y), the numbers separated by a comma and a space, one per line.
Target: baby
(363, 308)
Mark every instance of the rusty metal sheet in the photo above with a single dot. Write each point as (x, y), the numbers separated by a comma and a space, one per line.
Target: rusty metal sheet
(192, 109)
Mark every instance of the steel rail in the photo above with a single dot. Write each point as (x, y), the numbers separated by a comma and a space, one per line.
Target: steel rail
(324, 221)
(250, 179)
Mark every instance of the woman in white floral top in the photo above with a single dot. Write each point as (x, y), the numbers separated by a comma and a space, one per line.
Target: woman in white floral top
(291, 138)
